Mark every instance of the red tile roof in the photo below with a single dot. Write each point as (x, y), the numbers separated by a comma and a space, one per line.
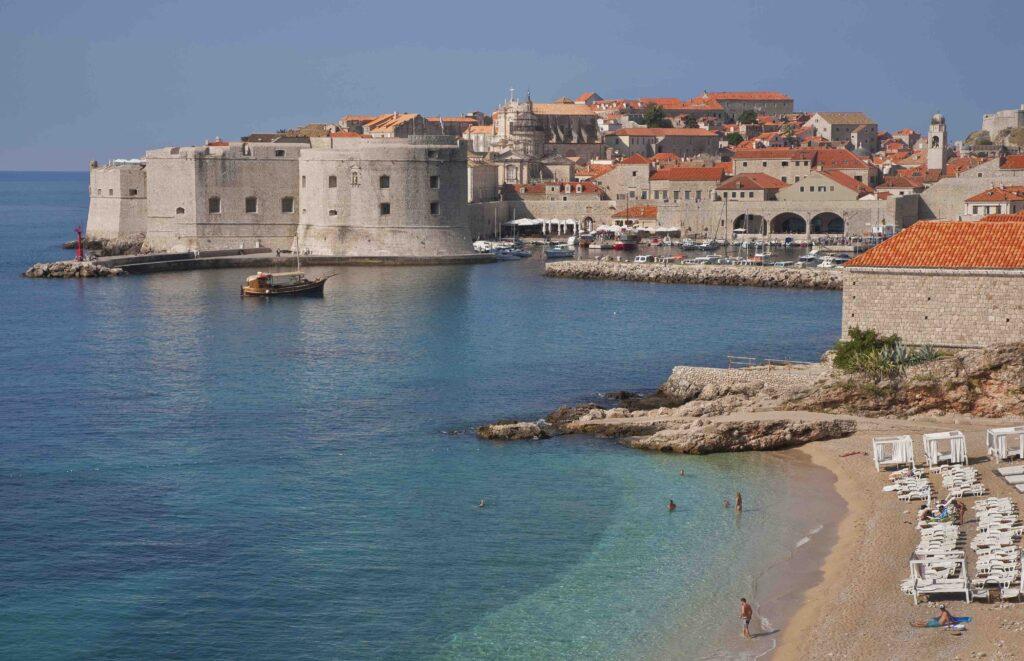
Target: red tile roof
(649, 132)
(640, 212)
(776, 153)
(1013, 162)
(750, 96)
(842, 159)
(1004, 218)
(635, 159)
(958, 164)
(594, 170)
(752, 181)
(898, 181)
(945, 244)
(586, 96)
(665, 156)
(346, 134)
(689, 174)
(999, 194)
(847, 181)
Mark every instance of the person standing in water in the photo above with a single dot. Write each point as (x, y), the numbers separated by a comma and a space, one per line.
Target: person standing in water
(671, 505)
(739, 502)
(746, 612)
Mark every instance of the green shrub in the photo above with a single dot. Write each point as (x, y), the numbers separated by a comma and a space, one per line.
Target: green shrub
(880, 358)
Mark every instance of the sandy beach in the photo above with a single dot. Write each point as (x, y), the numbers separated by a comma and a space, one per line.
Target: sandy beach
(856, 610)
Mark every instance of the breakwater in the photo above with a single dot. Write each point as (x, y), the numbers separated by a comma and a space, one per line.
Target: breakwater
(693, 274)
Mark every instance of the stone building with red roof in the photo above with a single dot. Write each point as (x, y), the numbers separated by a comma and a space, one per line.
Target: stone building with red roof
(944, 283)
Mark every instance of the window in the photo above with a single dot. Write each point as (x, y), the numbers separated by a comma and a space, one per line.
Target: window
(675, 195)
(744, 164)
(435, 208)
(785, 164)
(385, 208)
(214, 204)
(287, 204)
(634, 173)
(133, 192)
(801, 189)
(698, 196)
(686, 195)
(385, 181)
(250, 205)
(279, 152)
(303, 181)
(332, 181)
(179, 211)
(99, 191)
(784, 180)
(435, 181)
(332, 212)
(764, 164)
(110, 191)
(355, 177)
(858, 177)
(431, 153)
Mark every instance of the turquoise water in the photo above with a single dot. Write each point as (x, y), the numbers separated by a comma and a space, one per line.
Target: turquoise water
(186, 473)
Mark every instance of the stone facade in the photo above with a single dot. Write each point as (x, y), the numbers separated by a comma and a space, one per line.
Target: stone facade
(954, 308)
(945, 198)
(385, 197)
(1002, 120)
(117, 200)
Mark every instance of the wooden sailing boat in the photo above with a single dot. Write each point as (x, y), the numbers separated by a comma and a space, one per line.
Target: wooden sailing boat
(289, 283)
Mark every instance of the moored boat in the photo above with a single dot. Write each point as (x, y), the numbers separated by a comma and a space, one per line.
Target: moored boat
(283, 284)
(558, 251)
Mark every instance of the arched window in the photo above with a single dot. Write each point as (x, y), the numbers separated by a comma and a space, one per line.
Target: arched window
(214, 204)
(179, 210)
(332, 181)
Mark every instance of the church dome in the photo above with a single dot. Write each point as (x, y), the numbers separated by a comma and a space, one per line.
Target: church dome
(937, 118)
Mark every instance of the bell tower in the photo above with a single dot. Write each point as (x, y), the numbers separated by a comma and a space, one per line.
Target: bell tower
(937, 144)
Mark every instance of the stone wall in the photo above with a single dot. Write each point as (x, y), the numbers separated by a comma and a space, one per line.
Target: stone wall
(117, 200)
(944, 200)
(386, 197)
(939, 307)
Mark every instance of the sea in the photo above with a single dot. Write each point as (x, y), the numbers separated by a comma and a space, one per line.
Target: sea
(188, 473)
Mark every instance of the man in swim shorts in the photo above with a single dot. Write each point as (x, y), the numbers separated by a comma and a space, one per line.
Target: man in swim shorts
(746, 612)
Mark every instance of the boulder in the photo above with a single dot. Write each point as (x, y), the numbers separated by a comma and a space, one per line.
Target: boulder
(739, 436)
(512, 431)
(71, 269)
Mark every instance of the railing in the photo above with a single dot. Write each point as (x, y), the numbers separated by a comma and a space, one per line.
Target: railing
(739, 362)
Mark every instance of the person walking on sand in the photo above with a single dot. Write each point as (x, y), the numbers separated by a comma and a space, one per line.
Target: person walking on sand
(746, 612)
(739, 502)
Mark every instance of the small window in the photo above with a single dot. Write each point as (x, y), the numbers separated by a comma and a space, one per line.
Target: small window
(435, 208)
(431, 153)
(251, 205)
(179, 210)
(133, 192)
(287, 204)
(385, 181)
(332, 212)
(355, 177)
(332, 181)
(435, 181)
(110, 191)
(303, 181)
(385, 208)
(99, 191)
(279, 152)
(214, 204)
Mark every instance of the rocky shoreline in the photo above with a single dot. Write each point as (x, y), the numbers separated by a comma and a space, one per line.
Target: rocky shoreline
(736, 276)
(121, 246)
(71, 269)
(701, 410)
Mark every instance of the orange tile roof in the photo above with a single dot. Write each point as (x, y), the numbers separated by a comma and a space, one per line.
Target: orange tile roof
(898, 181)
(1013, 162)
(1004, 218)
(347, 134)
(839, 159)
(847, 181)
(950, 244)
(481, 128)
(640, 212)
(658, 132)
(635, 159)
(563, 109)
(958, 164)
(702, 103)
(594, 170)
(586, 96)
(999, 194)
(752, 181)
(665, 156)
(668, 103)
(689, 174)
(775, 153)
(750, 96)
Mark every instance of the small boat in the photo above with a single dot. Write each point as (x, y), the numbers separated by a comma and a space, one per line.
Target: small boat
(558, 251)
(643, 259)
(283, 284)
(625, 243)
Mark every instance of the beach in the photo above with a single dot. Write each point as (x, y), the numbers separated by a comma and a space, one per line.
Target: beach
(856, 610)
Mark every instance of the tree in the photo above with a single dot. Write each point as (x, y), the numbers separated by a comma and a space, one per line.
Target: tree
(733, 138)
(747, 117)
(690, 122)
(654, 117)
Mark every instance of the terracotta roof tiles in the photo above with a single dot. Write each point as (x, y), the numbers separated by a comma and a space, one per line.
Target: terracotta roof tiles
(644, 212)
(944, 244)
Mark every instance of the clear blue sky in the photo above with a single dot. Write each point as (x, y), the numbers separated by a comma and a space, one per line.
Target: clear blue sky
(103, 79)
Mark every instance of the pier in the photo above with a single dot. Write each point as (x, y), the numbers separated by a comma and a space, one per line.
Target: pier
(693, 274)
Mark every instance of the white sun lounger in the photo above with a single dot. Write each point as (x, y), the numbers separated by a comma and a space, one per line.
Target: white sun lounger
(1014, 479)
(1011, 470)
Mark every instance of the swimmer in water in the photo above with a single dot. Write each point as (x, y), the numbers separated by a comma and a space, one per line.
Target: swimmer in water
(671, 505)
(681, 472)
(482, 504)
(739, 502)
(726, 504)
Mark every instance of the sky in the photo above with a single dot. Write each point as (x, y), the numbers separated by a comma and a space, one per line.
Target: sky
(109, 79)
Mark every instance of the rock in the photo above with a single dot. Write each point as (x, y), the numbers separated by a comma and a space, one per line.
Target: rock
(127, 245)
(739, 436)
(740, 276)
(512, 431)
(565, 414)
(71, 269)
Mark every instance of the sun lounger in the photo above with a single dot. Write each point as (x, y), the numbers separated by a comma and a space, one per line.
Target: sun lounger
(1011, 470)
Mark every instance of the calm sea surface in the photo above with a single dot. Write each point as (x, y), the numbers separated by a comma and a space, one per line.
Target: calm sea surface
(186, 473)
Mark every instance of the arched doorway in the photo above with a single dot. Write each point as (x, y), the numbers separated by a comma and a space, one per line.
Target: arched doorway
(588, 224)
(748, 223)
(788, 223)
(827, 223)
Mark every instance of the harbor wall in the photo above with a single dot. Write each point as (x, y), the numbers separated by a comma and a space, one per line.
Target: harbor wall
(739, 276)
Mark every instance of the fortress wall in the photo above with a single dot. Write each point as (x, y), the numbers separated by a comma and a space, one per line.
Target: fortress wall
(944, 200)
(427, 215)
(117, 201)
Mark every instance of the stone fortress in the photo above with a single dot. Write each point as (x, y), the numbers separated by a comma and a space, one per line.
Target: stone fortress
(404, 185)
